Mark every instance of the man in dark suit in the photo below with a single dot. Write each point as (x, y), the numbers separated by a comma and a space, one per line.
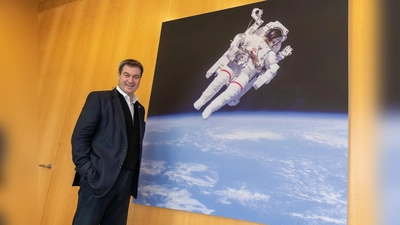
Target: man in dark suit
(107, 149)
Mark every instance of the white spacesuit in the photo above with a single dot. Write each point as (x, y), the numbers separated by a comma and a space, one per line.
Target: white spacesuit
(251, 61)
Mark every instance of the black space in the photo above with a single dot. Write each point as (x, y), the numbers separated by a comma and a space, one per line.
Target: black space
(390, 35)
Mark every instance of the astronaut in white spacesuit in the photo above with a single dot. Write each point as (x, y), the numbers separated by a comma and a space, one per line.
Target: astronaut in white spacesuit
(251, 61)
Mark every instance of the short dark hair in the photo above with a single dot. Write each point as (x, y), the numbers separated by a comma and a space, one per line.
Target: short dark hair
(130, 63)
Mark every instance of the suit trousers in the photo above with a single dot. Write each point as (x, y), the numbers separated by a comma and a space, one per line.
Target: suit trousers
(110, 209)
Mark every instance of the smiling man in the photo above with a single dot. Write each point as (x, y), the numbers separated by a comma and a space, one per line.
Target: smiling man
(107, 149)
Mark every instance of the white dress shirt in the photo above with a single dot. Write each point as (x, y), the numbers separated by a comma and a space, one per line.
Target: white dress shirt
(128, 101)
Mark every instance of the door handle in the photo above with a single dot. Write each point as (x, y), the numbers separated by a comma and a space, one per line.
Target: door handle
(49, 166)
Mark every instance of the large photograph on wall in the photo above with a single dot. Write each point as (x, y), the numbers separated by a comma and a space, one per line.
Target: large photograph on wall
(248, 116)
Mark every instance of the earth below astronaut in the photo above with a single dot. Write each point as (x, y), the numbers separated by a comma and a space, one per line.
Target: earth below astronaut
(271, 168)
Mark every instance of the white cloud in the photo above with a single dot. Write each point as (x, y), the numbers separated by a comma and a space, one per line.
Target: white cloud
(174, 198)
(318, 217)
(252, 135)
(331, 196)
(188, 173)
(243, 196)
(326, 139)
(151, 167)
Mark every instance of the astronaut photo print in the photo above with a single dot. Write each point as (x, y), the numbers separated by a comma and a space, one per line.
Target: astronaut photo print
(249, 113)
(237, 57)
(251, 61)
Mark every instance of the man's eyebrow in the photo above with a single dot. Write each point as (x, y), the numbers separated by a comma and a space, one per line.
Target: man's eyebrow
(133, 75)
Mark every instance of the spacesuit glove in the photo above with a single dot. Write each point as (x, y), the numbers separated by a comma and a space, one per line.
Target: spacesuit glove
(263, 79)
(285, 52)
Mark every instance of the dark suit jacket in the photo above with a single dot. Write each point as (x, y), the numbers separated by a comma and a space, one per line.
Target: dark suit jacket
(99, 141)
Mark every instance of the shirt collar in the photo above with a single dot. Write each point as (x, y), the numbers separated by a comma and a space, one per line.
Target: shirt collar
(126, 96)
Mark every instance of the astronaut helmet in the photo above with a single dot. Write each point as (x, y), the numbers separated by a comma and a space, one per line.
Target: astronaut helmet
(274, 36)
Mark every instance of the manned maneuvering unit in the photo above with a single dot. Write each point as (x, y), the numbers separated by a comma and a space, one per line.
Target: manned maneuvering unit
(251, 61)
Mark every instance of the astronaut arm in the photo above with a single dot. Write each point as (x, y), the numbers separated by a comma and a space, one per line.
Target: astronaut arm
(256, 15)
(267, 76)
(284, 53)
(236, 44)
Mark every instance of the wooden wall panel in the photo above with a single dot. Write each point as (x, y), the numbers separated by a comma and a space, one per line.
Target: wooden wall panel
(363, 182)
(80, 46)
(139, 214)
(180, 9)
(54, 96)
(44, 5)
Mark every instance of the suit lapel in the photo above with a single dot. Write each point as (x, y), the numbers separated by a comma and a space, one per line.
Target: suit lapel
(119, 114)
(140, 114)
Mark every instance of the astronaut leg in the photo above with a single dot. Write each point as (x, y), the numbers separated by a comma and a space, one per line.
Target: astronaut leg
(230, 93)
(223, 77)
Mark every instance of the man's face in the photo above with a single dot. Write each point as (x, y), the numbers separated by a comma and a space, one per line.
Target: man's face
(129, 79)
(274, 41)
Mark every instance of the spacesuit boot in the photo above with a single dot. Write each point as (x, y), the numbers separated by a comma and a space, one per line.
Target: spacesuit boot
(230, 93)
(201, 101)
(219, 81)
